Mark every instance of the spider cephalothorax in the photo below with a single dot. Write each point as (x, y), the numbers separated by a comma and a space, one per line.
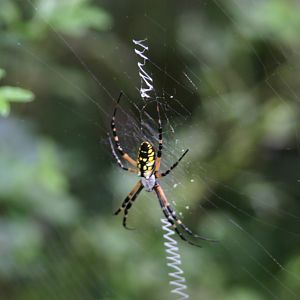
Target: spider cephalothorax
(147, 167)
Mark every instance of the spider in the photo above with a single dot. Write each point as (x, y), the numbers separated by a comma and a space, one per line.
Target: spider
(147, 166)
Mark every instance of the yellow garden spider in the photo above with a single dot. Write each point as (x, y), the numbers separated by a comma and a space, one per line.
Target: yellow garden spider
(147, 167)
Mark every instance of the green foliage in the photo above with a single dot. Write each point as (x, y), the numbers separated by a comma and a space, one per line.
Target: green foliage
(73, 17)
(282, 25)
(10, 94)
(34, 194)
(2, 73)
(69, 16)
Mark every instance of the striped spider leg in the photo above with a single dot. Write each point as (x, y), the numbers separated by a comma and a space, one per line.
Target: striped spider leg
(160, 147)
(127, 203)
(171, 216)
(160, 141)
(119, 162)
(158, 174)
(123, 154)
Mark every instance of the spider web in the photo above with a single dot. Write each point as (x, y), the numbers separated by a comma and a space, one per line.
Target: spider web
(235, 223)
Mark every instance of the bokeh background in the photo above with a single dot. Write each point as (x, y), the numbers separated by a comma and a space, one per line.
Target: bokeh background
(232, 68)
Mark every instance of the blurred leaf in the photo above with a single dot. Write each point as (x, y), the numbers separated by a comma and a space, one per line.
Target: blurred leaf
(49, 168)
(16, 94)
(12, 94)
(293, 268)
(8, 11)
(76, 21)
(279, 121)
(4, 107)
(72, 17)
(21, 242)
(243, 294)
(31, 176)
(2, 73)
(270, 19)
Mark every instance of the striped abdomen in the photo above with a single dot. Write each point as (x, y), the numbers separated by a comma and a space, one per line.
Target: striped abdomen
(146, 159)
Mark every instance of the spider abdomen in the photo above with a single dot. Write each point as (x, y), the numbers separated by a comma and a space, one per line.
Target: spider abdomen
(146, 160)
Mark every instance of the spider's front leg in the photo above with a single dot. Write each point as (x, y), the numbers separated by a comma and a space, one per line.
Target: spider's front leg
(119, 162)
(160, 141)
(158, 174)
(123, 154)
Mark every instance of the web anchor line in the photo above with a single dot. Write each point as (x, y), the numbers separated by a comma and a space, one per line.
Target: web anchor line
(174, 262)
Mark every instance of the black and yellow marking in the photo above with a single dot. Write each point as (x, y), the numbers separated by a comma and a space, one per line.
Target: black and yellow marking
(146, 158)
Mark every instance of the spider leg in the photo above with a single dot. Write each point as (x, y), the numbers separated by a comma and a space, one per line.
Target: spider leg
(133, 193)
(164, 203)
(160, 141)
(158, 175)
(119, 162)
(116, 138)
(128, 206)
(185, 228)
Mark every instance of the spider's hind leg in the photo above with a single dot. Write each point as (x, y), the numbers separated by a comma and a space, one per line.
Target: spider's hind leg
(127, 203)
(169, 216)
(172, 221)
(185, 228)
(131, 196)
